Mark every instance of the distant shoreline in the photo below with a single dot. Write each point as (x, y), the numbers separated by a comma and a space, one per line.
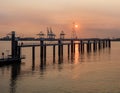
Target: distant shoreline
(37, 39)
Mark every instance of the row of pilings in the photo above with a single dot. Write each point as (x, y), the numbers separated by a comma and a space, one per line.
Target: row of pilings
(89, 44)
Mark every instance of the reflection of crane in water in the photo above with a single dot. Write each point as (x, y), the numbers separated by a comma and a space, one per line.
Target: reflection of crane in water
(74, 31)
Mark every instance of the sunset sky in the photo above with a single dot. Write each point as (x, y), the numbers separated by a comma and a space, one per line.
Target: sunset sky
(95, 18)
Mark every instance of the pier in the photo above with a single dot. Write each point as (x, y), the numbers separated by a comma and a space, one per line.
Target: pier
(90, 44)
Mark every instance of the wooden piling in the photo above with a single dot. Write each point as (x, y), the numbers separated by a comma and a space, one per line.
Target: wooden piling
(109, 43)
(33, 57)
(68, 49)
(45, 53)
(88, 46)
(106, 44)
(79, 47)
(33, 53)
(103, 43)
(13, 44)
(41, 51)
(82, 46)
(94, 45)
(99, 44)
(72, 46)
(59, 48)
(15, 51)
(53, 53)
(62, 50)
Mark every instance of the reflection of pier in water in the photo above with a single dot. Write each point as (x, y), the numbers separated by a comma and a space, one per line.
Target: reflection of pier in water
(90, 45)
(15, 71)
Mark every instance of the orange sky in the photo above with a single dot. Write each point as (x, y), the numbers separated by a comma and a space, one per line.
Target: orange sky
(29, 17)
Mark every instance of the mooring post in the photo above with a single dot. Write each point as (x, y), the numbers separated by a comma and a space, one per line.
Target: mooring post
(45, 53)
(109, 43)
(53, 53)
(79, 47)
(88, 46)
(94, 45)
(33, 53)
(13, 44)
(16, 46)
(68, 49)
(82, 46)
(59, 48)
(72, 46)
(106, 43)
(62, 50)
(41, 51)
(103, 43)
(33, 57)
(99, 44)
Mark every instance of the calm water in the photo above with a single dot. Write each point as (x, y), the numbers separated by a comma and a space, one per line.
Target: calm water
(94, 72)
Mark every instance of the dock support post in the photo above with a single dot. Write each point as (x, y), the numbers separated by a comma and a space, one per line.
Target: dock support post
(62, 50)
(41, 52)
(68, 50)
(109, 43)
(15, 51)
(94, 45)
(79, 47)
(82, 46)
(59, 49)
(88, 46)
(13, 44)
(53, 53)
(99, 44)
(72, 46)
(45, 53)
(106, 44)
(33, 53)
(18, 52)
(33, 57)
(103, 43)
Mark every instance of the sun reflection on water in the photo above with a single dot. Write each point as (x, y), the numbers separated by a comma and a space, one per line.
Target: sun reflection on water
(76, 55)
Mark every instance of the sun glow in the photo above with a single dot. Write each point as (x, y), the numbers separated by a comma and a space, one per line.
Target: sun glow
(76, 26)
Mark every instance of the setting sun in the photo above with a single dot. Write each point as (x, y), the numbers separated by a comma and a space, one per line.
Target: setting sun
(76, 26)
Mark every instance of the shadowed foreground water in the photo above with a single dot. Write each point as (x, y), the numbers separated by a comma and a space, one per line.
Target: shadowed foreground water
(93, 72)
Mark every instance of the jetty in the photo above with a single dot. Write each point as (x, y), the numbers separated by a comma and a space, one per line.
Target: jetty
(91, 44)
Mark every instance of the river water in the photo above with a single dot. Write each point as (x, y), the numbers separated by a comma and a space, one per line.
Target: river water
(93, 72)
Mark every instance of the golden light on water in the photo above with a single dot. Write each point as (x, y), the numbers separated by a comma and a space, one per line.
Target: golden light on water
(76, 53)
